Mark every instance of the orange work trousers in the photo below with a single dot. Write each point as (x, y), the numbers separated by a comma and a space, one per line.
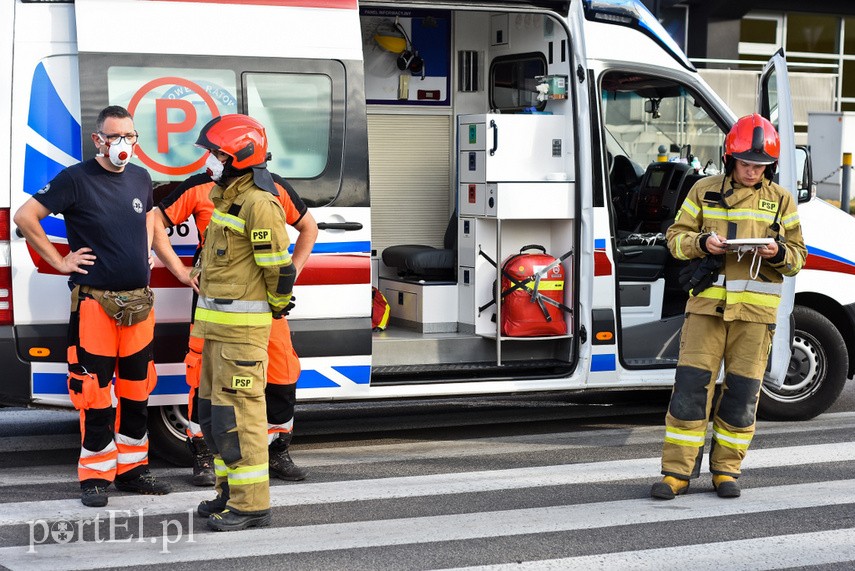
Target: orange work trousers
(114, 442)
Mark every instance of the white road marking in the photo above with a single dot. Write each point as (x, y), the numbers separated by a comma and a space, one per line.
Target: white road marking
(758, 554)
(433, 529)
(415, 486)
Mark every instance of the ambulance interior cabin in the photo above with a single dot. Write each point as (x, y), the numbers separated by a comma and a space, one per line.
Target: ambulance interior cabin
(468, 166)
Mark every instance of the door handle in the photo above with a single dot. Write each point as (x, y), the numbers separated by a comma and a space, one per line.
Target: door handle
(346, 226)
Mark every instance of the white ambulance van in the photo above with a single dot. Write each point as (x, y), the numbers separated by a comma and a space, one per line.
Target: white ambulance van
(432, 141)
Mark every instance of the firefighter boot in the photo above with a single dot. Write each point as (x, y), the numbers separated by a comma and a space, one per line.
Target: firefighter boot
(280, 463)
(94, 496)
(726, 486)
(203, 463)
(669, 488)
(218, 504)
(232, 520)
(145, 483)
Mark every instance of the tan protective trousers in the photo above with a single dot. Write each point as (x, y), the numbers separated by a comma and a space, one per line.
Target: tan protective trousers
(705, 342)
(233, 417)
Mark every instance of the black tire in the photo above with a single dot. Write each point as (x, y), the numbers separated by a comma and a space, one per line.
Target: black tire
(166, 434)
(817, 372)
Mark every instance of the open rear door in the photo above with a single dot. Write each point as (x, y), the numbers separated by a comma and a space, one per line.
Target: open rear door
(774, 103)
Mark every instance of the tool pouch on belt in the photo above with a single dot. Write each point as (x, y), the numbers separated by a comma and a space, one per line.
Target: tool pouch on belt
(701, 273)
(126, 307)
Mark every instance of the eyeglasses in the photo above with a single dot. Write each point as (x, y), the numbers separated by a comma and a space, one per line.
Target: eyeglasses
(115, 139)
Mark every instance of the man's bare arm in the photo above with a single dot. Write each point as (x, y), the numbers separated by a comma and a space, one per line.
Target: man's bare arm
(165, 253)
(27, 219)
(308, 229)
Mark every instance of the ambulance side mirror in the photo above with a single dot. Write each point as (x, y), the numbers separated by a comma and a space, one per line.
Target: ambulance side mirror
(805, 189)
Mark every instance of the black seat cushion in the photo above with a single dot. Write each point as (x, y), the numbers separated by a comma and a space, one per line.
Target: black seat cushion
(426, 262)
(417, 261)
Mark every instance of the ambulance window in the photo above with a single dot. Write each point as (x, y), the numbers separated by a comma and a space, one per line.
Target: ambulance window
(168, 105)
(296, 110)
(513, 83)
(301, 102)
(646, 115)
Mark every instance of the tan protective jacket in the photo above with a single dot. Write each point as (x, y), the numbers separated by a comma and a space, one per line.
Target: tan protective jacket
(246, 267)
(746, 212)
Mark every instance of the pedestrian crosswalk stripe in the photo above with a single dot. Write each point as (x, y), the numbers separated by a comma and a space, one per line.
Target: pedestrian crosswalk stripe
(429, 485)
(431, 529)
(757, 554)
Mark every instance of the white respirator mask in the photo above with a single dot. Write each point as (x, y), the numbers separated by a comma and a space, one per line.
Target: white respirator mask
(214, 167)
(120, 154)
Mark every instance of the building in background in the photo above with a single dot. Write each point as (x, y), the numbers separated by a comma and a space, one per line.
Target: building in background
(731, 35)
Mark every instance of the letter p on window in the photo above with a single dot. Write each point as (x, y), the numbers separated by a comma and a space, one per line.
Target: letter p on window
(167, 111)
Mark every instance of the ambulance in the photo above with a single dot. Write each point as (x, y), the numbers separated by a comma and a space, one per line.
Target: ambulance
(432, 142)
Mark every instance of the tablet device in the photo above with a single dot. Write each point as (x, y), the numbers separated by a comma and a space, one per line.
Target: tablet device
(747, 243)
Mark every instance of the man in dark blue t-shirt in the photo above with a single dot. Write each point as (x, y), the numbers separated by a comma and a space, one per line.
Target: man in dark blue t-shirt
(107, 204)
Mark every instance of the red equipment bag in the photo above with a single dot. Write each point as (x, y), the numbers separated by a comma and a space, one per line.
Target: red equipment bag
(380, 310)
(533, 295)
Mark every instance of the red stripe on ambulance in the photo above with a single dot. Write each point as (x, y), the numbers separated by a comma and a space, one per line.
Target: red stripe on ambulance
(602, 264)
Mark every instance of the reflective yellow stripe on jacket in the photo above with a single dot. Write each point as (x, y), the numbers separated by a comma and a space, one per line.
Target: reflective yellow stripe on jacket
(229, 220)
(272, 258)
(234, 312)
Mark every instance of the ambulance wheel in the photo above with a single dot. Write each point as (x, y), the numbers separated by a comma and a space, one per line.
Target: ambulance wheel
(166, 434)
(816, 374)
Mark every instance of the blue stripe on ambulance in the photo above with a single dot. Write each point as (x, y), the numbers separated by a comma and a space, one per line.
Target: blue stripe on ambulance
(817, 252)
(603, 363)
(56, 384)
(38, 170)
(320, 248)
(600, 244)
(50, 118)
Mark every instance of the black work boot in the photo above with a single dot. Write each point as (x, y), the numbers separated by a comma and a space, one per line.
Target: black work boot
(280, 464)
(94, 496)
(218, 504)
(232, 520)
(203, 463)
(726, 486)
(144, 483)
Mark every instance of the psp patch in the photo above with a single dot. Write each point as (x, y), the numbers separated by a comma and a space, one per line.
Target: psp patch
(239, 382)
(768, 205)
(260, 235)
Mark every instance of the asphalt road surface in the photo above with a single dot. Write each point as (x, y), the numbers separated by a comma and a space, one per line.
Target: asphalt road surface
(499, 483)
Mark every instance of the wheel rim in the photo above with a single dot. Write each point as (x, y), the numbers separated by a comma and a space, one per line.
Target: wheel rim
(805, 373)
(175, 420)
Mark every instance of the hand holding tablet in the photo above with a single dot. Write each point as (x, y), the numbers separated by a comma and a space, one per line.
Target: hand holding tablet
(743, 244)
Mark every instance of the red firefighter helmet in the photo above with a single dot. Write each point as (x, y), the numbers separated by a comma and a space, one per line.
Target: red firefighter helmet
(753, 139)
(239, 136)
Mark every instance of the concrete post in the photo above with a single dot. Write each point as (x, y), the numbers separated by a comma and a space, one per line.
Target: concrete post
(844, 182)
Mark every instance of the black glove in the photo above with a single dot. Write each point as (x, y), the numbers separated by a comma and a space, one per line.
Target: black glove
(701, 273)
(280, 313)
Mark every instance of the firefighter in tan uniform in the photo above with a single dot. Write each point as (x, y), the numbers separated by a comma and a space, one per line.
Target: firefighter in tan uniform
(246, 282)
(731, 312)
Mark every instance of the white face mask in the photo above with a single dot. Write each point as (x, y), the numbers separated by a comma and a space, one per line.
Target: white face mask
(120, 154)
(214, 167)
